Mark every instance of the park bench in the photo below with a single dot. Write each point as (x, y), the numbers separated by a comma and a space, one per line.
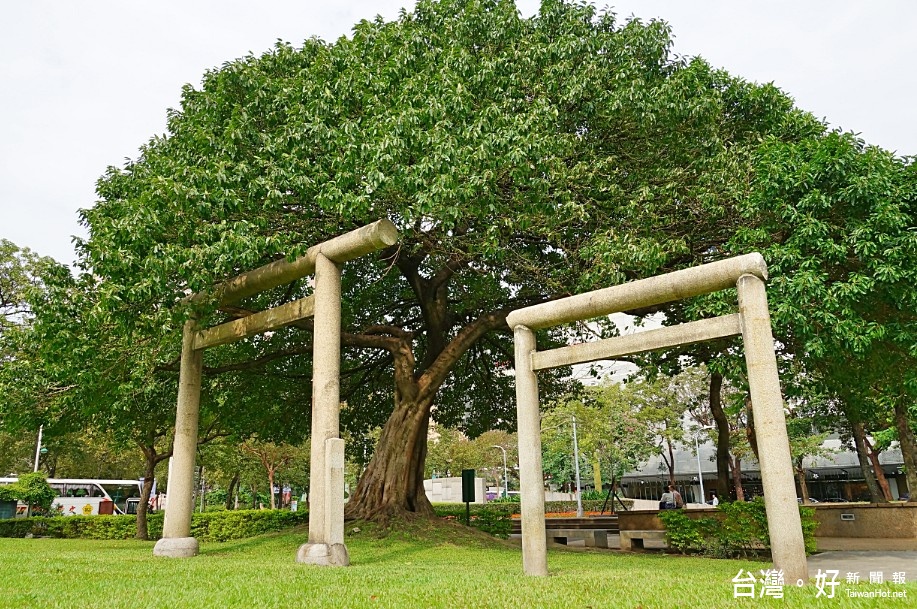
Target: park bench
(592, 531)
(635, 540)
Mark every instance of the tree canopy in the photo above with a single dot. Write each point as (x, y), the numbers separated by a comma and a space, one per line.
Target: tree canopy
(521, 159)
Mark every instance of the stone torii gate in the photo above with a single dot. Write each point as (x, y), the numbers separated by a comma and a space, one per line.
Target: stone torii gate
(326, 496)
(747, 273)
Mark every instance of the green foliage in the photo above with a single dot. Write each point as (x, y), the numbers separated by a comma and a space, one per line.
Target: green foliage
(608, 430)
(739, 528)
(492, 518)
(589, 505)
(8, 494)
(683, 533)
(32, 489)
(237, 524)
(521, 158)
(20, 527)
(509, 499)
(75, 527)
(453, 451)
(209, 526)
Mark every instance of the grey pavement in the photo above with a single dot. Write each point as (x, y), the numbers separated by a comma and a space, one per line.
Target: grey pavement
(865, 562)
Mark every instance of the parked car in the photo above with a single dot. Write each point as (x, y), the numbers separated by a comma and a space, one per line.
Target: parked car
(811, 500)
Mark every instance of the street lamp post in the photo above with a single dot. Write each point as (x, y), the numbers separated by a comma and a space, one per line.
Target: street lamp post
(579, 494)
(700, 474)
(38, 447)
(579, 498)
(505, 477)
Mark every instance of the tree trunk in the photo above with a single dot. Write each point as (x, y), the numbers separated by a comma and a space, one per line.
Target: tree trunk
(736, 466)
(270, 486)
(392, 484)
(859, 440)
(233, 484)
(801, 478)
(750, 433)
(149, 472)
(722, 436)
(908, 447)
(877, 468)
(670, 462)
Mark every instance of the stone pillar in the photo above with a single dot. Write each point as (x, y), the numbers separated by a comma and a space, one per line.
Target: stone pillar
(334, 502)
(784, 526)
(531, 475)
(326, 407)
(176, 541)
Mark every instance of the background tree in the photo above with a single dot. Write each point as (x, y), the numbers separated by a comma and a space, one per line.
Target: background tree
(274, 459)
(24, 392)
(835, 220)
(451, 451)
(661, 409)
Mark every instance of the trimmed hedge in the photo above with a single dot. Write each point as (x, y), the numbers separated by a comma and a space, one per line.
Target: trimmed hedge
(238, 524)
(589, 505)
(492, 518)
(209, 526)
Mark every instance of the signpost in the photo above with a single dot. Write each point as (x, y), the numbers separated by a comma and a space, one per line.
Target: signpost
(467, 492)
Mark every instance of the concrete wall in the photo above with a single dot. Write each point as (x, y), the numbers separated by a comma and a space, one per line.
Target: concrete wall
(873, 520)
(648, 520)
(449, 490)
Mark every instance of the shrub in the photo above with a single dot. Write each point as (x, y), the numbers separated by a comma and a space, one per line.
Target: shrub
(494, 518)
(18, 527)
(683, 533)
(739, 529)
(589, 505)
(209, 526)
(509, 499)
(32, 489)
(238, 524)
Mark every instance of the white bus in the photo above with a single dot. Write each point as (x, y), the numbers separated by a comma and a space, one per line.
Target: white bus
(89, 496)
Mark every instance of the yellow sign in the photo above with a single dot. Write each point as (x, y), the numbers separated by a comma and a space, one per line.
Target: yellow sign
(87, 510)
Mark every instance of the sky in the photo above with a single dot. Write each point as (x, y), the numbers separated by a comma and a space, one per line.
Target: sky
(84, 84)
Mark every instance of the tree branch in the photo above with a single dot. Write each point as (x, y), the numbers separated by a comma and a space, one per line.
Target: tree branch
(434, 376)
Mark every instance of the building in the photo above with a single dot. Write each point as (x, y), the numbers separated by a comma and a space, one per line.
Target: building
(837, 477)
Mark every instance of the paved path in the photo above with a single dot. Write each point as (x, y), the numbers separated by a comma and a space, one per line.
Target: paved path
(847, 555)
(865, 562)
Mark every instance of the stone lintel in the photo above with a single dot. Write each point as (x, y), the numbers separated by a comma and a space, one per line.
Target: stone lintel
(641, 342)
(678, 285)
(340, 249)
(263, 321)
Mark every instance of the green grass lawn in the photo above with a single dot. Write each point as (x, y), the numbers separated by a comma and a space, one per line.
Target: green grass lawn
(420, 565)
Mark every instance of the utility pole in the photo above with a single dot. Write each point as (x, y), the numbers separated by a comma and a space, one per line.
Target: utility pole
(38, 447)
(579, 494)
(505, 477)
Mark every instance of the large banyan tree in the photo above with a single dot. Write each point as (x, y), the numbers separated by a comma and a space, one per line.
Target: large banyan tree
(522, 159)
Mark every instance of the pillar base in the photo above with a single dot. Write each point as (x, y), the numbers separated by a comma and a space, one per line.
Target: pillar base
(323, 554)
(176, 547)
